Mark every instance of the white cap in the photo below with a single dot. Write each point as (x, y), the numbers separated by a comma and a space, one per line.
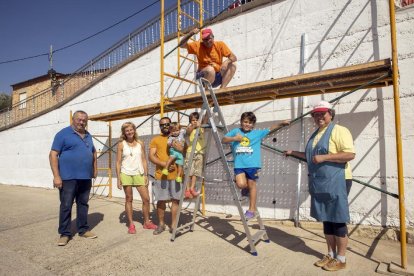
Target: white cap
(322, 106)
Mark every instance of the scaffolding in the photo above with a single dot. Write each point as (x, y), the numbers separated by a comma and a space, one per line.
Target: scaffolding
(180, 57)
(369, 75)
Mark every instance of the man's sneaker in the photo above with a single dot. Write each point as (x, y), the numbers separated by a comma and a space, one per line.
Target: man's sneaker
(149, 225)
(249, 215)
(88, 235)
(164, 171)
(179, 179)
(245, 192)
(159, 230)
(194, 193)
(188, 194)
(334, 265)
(63, 240)
(322, 262)
(131, 229)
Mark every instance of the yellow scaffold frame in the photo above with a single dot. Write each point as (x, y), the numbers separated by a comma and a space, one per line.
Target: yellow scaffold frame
(187, 101)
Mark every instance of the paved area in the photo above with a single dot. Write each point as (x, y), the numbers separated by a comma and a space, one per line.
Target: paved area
(28, 235)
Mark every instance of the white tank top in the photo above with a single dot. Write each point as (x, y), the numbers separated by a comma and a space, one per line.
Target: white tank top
(131, 159)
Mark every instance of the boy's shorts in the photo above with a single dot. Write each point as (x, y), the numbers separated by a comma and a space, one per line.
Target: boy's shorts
(179, 158)
(132, 180)
(197, 164)
(251, 173)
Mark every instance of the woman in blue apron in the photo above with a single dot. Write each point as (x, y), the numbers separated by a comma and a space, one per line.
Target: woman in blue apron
(327, 154)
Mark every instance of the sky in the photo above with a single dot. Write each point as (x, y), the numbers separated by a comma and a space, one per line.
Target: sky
(29, 27)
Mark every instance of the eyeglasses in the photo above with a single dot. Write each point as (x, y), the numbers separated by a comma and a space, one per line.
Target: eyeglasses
(165, 125)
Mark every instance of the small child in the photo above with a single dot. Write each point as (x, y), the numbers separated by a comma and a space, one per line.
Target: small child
(176, 134)
(245, 142)
(198, 158)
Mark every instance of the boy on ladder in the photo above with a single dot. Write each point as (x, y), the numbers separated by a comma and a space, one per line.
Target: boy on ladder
(245, 142)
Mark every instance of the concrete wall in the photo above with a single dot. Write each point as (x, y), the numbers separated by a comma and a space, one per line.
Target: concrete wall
(267, 43)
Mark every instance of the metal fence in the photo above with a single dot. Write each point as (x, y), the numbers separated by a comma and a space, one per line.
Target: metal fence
(135, 43)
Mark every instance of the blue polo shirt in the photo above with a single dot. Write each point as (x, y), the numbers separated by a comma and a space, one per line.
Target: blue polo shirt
(75, 154)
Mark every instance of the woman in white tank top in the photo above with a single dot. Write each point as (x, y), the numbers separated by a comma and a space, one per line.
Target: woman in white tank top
(132, 171)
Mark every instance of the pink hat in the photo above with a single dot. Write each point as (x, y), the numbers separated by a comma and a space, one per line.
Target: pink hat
(321, 107)
(206, 33)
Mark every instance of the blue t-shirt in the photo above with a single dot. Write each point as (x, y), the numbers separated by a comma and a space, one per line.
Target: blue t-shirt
(247, 152)
(75, 154)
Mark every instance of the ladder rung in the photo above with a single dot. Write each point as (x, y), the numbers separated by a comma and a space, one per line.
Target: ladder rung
(184, 226)
(258, 235)
(189, 16)
(187, 58)
(216, 180)
(179, 78)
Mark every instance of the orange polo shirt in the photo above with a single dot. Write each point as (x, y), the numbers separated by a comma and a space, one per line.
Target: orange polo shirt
(209, 56)
(160, 143)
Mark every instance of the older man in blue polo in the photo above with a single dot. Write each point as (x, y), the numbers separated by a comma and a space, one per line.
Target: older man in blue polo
(73, 161)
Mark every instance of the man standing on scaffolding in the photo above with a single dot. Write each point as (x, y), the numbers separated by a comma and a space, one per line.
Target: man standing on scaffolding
(210, 56)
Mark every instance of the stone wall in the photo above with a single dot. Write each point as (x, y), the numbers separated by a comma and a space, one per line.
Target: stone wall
(267, 42)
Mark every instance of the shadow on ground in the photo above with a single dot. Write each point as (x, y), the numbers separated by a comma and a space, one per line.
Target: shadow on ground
(93, 220)
(224, 229)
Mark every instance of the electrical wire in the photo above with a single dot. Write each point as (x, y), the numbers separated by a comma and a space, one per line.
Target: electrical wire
(84, 39)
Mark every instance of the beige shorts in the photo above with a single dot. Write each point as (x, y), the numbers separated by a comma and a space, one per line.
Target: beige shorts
(196, 165)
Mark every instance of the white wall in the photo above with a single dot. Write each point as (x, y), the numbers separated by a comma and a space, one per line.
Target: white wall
(266, 41)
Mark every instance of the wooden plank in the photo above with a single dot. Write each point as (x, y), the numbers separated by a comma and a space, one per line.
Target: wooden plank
(327, 81)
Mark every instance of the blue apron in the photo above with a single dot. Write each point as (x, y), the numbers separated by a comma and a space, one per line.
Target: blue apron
(329, 200)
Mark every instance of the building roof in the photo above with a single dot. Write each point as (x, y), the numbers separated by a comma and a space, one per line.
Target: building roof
(35, 80)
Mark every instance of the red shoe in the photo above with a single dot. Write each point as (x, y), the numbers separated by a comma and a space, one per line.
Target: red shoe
(131, 229)
(188, 194)
(194, 193)
(149, 225)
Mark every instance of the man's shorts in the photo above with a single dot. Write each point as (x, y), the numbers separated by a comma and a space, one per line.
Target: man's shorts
(251, 173)
(132, 180)
(197, 164)
(165, 190)
(217, 81)
(179, 158)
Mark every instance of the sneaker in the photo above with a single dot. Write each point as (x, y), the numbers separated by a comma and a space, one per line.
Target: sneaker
(63, 240)
(149, 225)
(194, 193)
(131, 229)
(188, 194)
(334, 265)
(179, 179)
(159, 230)
(164, 171)
(249, 215)
(322, 262)
(245, 192)
(88, 235)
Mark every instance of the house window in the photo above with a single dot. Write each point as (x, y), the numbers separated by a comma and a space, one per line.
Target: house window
(22, 100)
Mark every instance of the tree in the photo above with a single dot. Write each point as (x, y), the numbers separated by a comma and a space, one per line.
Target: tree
(5, 101)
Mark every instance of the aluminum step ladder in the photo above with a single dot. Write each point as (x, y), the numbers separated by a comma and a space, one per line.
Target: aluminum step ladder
(217, 126)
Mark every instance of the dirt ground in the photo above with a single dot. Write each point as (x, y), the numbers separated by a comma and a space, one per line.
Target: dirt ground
(217, 246)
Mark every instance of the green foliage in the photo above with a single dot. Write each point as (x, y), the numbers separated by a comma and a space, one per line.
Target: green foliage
(5, 101)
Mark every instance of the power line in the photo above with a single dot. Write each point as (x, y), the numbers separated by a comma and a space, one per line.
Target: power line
(82, 40)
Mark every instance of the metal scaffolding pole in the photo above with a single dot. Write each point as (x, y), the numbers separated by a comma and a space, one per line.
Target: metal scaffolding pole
(398, 141)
